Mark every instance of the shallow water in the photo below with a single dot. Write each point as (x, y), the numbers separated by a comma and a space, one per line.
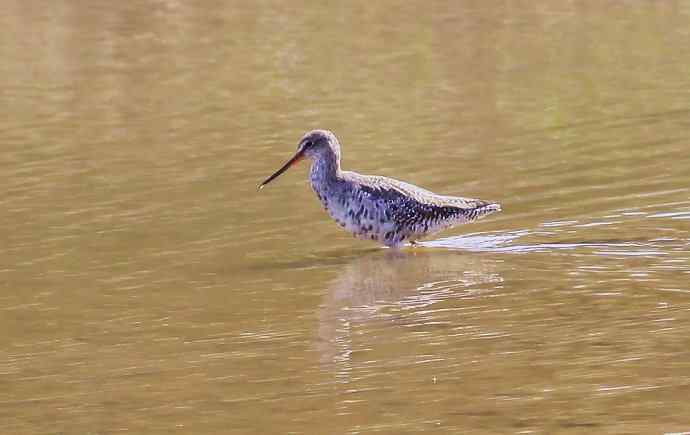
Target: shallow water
(146, 286)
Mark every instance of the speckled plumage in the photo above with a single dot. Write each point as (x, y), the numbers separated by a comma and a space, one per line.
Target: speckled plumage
(389, 211)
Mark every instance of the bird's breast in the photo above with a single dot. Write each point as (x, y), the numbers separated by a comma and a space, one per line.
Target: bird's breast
(354, 211)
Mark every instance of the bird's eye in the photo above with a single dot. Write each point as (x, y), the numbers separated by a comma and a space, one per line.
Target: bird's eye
(308, 143)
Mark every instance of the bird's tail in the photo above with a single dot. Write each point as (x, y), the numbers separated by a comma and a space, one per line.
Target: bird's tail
(484, 209)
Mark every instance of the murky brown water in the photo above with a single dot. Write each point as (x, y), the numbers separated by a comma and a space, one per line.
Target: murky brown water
(147, 287)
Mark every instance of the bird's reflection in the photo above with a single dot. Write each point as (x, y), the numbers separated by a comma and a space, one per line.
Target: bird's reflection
(407, 280)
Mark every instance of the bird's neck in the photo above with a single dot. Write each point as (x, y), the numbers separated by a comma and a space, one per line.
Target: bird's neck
(325, 169)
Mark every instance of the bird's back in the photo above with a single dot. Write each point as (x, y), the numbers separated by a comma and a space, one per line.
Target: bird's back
(391, 186)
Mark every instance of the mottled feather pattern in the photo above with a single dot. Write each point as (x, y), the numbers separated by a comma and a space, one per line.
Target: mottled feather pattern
(392, 211)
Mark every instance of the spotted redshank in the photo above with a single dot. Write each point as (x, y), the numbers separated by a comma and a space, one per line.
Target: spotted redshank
(378, 208)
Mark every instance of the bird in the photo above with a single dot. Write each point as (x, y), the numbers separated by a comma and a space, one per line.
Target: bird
(389, 211)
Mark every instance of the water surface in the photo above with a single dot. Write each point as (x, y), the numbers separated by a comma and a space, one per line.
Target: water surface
(146, 286)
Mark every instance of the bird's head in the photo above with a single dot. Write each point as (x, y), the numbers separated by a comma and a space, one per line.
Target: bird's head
(314, 145)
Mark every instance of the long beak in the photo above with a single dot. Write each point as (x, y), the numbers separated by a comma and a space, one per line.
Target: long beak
(296, 158)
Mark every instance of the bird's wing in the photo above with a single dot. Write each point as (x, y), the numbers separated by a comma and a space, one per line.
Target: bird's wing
(417, 193)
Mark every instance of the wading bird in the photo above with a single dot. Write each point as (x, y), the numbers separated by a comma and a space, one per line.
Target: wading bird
(372, 207)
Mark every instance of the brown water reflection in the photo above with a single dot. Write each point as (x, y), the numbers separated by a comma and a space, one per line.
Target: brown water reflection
(370, 285)
(147, 287)
(486, 340)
